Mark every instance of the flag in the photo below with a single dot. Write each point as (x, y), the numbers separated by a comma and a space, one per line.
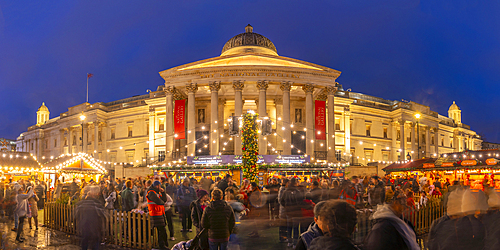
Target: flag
(89, 75)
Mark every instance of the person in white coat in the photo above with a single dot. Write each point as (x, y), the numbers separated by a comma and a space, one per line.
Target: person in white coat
(22, 209)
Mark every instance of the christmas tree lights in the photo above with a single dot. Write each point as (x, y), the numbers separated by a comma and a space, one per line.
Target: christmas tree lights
(250, 147)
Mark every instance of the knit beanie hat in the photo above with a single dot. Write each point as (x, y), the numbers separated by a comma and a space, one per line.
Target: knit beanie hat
(156, 183)
(200, 193)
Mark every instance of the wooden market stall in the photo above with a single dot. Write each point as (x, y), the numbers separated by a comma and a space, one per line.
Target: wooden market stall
(73, 166)
(411, 168)
(17, 165)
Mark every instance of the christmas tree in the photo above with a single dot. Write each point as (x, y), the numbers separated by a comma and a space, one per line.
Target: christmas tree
(250, 146)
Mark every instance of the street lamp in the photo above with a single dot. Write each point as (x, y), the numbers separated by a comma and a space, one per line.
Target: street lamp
(82, 118)
(417, 116)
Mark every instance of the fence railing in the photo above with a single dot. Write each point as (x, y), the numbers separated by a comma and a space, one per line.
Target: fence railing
(126, 229)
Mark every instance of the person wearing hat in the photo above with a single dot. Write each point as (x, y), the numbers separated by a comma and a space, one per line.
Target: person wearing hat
(197, 208)
(157, 198)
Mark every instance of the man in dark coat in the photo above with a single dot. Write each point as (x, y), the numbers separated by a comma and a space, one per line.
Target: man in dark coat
(224, 183)
(218, 219)
(313, 231)
(292, 200)
(90, 216)
(338, 221)
(197, 208)
(157, 197)
(127, 197)
(390, 231)
(185, 195)
(273, 188)
(315, 192)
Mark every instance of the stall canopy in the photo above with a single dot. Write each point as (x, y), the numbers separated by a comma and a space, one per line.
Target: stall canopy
(415, 165)
(74, 163)
(18, 163)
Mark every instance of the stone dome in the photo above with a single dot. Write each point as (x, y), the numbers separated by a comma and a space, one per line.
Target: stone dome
(249, 39)
(454, 106)
(43, 107)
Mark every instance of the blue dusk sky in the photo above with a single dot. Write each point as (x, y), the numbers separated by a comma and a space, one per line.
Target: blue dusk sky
(430, 52)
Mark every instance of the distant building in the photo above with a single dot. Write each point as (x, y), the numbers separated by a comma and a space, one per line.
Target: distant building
(490, 145)
(7, 145)
(312, 114)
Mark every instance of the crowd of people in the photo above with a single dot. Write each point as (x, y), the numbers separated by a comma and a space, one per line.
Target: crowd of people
(309, 213)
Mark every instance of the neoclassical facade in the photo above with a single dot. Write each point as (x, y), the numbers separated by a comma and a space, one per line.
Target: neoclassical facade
(249, 75)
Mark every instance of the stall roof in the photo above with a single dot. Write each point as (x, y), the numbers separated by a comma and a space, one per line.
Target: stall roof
(409, 166)
(79, 162)
(18, 160)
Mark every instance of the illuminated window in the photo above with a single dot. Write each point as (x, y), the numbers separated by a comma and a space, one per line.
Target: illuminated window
(55, 143)
(161, 124)
(129, 131)
(112, 133)
(385, 132)
(368, 128)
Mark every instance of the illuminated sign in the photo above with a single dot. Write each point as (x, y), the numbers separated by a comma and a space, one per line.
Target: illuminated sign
(491, 161)
(429, 165)
(447, 164)
(237, 159)
(469, 163)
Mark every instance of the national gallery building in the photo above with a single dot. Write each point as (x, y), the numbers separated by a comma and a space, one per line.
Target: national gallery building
(189, 115)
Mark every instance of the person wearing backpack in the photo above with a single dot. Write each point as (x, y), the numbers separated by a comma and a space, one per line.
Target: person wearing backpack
(291, 200)
(110, 200)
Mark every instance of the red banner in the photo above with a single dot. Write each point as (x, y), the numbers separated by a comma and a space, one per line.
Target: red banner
(179, 119)
(320, 124)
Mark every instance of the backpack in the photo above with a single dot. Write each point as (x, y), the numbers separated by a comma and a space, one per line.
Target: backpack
(291, 198)
(118, 202)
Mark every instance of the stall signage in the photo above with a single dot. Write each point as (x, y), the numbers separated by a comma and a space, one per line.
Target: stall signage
(429, 165)
(320, 121)
(339, 174)
(469, 163)
(491, 161)
(179, 119)
(447, 164)
(237, 159)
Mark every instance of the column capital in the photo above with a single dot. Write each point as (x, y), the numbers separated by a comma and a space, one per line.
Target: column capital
(152, 111)
(347, 110)
(214, 86)
(331, 90)
(262, 84)
(191, 87)
(308, 88)
(286, 85)
(169, 90)
(238, 85)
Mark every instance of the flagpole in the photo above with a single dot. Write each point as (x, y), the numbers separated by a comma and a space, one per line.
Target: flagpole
(87, 87)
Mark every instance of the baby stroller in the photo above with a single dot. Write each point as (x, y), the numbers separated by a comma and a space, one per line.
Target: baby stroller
(190, 244)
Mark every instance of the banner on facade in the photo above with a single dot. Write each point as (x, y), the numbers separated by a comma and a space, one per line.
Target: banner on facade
(320, 120)
(179, 119)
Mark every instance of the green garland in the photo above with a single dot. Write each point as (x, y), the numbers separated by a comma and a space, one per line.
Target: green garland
(305, 166)
(250, 147)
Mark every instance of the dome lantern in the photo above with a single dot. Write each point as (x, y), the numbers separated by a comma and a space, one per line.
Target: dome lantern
(249, 42)
(455, 113)
(42, 114)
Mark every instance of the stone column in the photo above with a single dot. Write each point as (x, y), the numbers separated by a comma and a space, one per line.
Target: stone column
(287, 133)
(402, 140)
(85, 138)
(169, 121)
(70, 140)
(331, 124)
(262, 86)
(309, 89)
(437, 142)
(151, 137)
(394, 145)
(238, 86)
(214, 112)
(427, 142)
(104, 140)
(413, 141)
(96, 139)
(347, 130)
(191, 116)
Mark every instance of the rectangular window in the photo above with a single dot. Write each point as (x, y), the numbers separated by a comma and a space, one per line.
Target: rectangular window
(385, 156)
(409, 137)
(442, 142)
(368, 155)
(46, 144)
(32, 146)
(65, 141)
(385, 132)
(99, 136)
(368, 132)
(398, 135)
(161, 155)
(451, 143)
(423, 139)
(74, 140)
(112, 133)
(130, 155)
(129, 131)
(161, 124)
(432, 140)
(147, 128)
(112, 156)
(337, 124)
(55, 143)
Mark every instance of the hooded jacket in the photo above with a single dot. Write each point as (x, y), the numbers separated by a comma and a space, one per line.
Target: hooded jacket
(218, 218)
(308, 236)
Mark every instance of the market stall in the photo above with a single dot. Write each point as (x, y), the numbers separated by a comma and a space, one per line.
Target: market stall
(78, 166)
(17, 165)
(411, 168)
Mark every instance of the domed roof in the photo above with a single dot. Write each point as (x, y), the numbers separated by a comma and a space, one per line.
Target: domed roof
(43, 107)
(249, 39)
(454, 106)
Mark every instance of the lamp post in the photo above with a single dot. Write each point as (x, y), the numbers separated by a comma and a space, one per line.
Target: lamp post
(82, 118)
(417, 115)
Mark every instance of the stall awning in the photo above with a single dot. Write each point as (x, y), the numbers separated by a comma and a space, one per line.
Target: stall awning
(75, 163)
(415, 165)
(15, 162)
